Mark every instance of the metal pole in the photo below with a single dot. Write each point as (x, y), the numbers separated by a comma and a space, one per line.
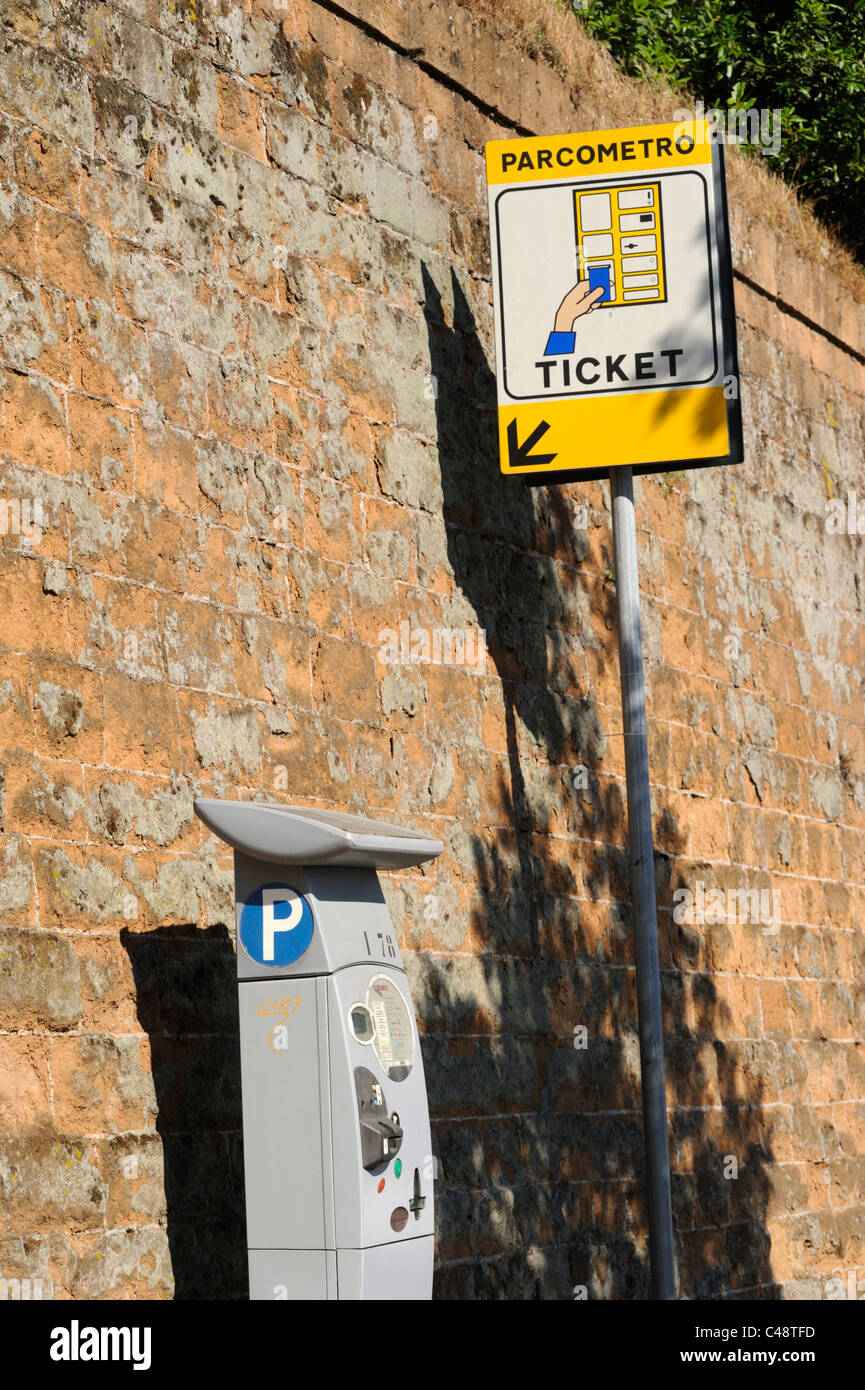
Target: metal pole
(643, 886)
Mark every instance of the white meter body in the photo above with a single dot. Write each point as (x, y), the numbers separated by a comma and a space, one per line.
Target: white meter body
(337, 1150)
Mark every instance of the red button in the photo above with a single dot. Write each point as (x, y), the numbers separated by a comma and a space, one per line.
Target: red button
(381, 1186)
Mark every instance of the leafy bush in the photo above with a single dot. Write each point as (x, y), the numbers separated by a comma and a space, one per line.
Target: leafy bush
(804, 58)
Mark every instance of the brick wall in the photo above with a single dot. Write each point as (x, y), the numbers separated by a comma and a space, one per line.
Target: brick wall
(247, 376)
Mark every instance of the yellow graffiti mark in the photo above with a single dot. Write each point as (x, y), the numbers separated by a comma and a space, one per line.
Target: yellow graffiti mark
(831, 416)
(828, 477)
(281, 1009)
(268, 1007)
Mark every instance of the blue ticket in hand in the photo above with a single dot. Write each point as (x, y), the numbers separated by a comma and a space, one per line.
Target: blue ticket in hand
(599, 278)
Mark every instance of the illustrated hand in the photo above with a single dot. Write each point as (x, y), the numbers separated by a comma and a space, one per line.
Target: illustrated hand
(578, 301)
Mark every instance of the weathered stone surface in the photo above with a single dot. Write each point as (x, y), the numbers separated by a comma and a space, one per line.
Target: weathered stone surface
(39, 981)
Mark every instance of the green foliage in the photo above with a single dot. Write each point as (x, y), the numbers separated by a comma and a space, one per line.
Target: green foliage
(804, 58)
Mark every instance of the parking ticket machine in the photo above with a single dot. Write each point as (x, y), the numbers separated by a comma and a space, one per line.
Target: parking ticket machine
(337, 1153)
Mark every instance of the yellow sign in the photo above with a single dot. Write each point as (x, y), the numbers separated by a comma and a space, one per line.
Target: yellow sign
(615, 339)
(531, 439)
(628, 151)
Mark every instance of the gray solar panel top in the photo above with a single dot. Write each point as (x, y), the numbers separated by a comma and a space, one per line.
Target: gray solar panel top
(307, 835)
(362, 825)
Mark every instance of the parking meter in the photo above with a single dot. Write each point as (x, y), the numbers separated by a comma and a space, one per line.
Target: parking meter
(336, 1138)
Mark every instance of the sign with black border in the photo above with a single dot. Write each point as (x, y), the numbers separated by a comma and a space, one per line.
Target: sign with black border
(613, 298)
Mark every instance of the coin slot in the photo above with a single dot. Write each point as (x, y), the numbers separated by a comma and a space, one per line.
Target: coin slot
(418, 1200)
(640, 243)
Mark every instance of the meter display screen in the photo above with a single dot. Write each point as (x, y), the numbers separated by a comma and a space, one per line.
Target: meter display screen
(393, 1039)
(361, 1023)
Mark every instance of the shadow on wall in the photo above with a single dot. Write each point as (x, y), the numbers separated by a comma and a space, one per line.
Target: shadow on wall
(540, 1143)
(186, 988)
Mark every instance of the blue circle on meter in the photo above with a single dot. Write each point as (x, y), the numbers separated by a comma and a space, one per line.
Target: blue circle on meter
(276, 925)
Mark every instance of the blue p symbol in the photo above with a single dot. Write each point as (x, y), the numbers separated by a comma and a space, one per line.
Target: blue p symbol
(276, 925)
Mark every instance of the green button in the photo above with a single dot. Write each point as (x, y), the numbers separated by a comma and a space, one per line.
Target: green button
(397, 1167)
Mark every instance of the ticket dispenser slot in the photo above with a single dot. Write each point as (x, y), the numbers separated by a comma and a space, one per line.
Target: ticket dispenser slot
(380, 1133)
(337, 1150)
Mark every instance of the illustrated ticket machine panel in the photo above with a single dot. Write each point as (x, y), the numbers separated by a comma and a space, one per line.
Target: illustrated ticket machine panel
(337, 1152)
(620, 243)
